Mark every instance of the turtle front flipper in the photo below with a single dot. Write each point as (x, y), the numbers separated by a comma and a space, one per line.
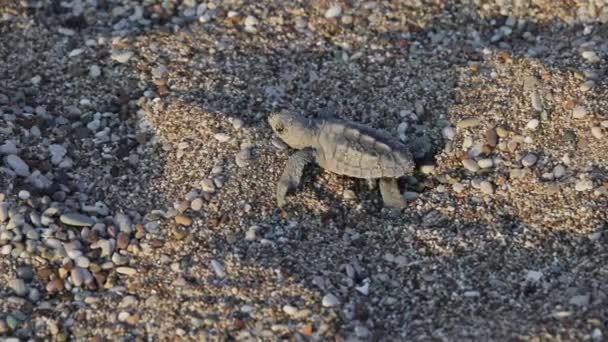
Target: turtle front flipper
(390, 193)
(292, 175)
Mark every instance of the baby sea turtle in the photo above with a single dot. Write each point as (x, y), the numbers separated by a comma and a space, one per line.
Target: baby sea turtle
(345, 148)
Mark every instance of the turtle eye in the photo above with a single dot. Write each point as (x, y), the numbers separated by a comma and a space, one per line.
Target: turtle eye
(280, 128)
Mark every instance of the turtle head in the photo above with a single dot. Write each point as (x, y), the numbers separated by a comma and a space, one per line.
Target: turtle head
(295, 130)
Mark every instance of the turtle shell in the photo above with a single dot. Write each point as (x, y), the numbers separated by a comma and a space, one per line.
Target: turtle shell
(354, 150)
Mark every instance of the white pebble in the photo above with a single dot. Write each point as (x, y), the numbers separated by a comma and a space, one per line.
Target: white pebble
(334, 11)
(196, 204)
(24, 195)
(221, 137)
(94, 71)
(591, 56)
(559, 171)
(121, 56)
(485, 163)
(329, 300)
(579, 112)
(596, 131)
(532, 124)
(208, 186)
(486, 187)
(583, 185)
(449, 132)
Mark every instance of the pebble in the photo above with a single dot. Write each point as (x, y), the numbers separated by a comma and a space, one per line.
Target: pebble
(486, 187)
(559, 171)
(94, 71)
(529, 160)
(428, 169)
(329, 301)
(218, 268)
(491, 137)
(468, 123)
(448, 132)
(24, 195)
(583, 185)
(9, 147)
(251, 234)
(333, 11)
(591, 56)
(18, 286)
(129, 271)
(536, 102)
(349, 195)
(533, 124)
(121, 56)
(470, 165)
(183, 220)
(196, 204)
(596, 131)
(502, 132)
(80, 276)
(579, 112)
(237, 123)
(586, 86)
(3, 211)
(18, 165)
(485, 163)
(207, 185)
(221, 137)
(77, 220)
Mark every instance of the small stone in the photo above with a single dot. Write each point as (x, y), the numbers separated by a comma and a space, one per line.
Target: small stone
(580, 300)
(529, 160)
(83, 261)
(94, 71)
(559, 171)
(196, 204)
(55, 285)
(207, 185)
(579, 112)
(218, 268)
(333, 11)
(468, 123)
(591, 56)
(533, 124)
(24, 195)
(470, 165)
(502, 132)
(491, 137)
(329, 301)
(128, 271)
(77, 220)
(536, 102)
(290, 310)
(18, 165)
(485, 163)
(221, 137)
(121, 56)
(122, 241)
(80, 276)
(486, 187)
(9, 147)
(18, 286)
(596, 131)
(3, 211)
(448, 133)
(183, 220)
(534, 276)
(349, 195)
(588, 85)
(427, 169)
(583, 185)
(251, 21)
